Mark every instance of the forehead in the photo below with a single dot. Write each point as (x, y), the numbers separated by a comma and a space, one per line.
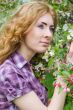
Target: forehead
(47, 18)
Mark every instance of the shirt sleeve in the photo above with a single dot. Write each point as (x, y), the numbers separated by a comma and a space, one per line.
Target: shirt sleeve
(14, 84)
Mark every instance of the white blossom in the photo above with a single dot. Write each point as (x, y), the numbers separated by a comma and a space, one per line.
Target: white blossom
(68, 37)
(46, 56)
(38, 66)
(51, 53)
(68, 14)
(65, 27)
(71, 32)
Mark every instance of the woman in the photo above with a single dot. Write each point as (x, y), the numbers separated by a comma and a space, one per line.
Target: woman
(29, 31)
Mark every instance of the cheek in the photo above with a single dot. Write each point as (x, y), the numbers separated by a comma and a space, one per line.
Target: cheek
(36, 33)
(33, 37)
(30, 41)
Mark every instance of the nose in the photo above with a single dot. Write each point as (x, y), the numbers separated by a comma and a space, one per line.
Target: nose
(48, 34)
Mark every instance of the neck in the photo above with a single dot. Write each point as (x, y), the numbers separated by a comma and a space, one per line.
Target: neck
(26, 53)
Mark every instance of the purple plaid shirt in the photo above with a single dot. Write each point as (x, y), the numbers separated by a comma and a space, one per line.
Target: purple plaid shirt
(17, 79)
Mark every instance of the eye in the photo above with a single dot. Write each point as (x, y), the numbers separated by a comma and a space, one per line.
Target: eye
(41, 26)
(52, 29)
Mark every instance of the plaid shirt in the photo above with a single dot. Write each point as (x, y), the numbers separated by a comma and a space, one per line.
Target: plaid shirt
(17, 79)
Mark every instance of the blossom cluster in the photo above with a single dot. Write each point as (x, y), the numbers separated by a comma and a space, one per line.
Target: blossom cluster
(66, 73)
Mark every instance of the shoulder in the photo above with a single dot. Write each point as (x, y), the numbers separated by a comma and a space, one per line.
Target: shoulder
(12, 83)
(7, 70)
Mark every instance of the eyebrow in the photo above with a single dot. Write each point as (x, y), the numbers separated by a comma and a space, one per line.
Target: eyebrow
(46, 24)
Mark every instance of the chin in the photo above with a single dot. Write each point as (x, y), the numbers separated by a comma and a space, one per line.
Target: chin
(42, 51)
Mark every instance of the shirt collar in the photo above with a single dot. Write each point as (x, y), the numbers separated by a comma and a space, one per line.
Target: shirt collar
(18, 60)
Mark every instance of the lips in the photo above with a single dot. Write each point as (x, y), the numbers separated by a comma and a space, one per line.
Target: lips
(46, 43)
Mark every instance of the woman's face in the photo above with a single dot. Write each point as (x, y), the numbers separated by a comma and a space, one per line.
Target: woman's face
(40, 36)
